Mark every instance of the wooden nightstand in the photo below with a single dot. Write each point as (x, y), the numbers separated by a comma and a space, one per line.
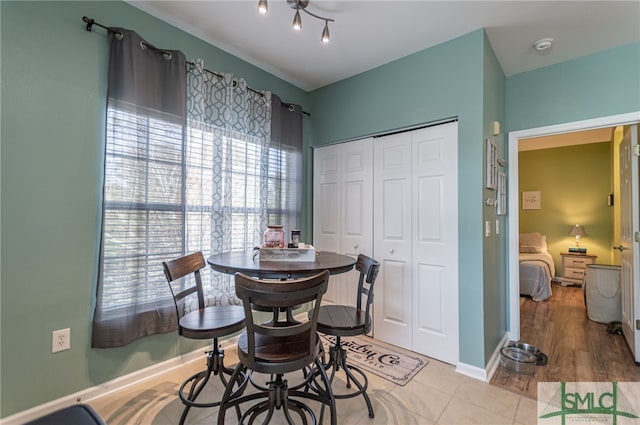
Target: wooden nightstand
(574, 266)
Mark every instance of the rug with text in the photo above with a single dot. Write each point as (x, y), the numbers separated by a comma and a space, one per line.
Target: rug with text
(389, 362)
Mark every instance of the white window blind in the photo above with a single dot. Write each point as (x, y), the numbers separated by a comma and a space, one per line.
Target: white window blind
(173, 204)
(143, 206)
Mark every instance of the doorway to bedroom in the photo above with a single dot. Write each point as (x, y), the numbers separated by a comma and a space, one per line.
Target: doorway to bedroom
(571, 178)
(557, 137)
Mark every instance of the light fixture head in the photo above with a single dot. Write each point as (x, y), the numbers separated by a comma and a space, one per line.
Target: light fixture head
(301, 5)
(297, 21)
(298, 4)
(543, 44)
(263, 7)
(325, 38)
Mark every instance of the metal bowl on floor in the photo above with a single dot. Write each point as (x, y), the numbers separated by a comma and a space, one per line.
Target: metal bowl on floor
(518, 360)
(540, 356)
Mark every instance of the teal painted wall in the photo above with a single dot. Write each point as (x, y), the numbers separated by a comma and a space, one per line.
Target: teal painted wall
(53, 89)
(440, 82)
(598, 85)
(495, 288)
(53, 101)
(574, 182)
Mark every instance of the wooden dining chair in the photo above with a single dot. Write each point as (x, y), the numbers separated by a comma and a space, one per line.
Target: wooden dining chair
(278, 347)
(344, 320)
(205, 322)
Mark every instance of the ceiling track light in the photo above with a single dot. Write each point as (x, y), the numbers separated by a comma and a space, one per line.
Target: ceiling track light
(325, 38)
(263, 8)
(299, 5)
(297, 21)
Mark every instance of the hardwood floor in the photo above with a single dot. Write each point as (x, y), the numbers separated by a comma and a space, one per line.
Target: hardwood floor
(579, 350)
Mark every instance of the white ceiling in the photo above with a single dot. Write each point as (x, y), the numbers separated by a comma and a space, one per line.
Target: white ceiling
(367, 34)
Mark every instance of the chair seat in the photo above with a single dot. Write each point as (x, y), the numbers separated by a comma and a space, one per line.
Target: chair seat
(212, 322)
(78, 414)
(342, 320)
(278, 351)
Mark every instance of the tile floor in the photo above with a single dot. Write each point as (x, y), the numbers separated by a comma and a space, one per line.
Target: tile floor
(436, 395)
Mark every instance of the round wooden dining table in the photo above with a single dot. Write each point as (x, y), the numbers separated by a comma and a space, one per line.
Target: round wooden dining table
(246, 263)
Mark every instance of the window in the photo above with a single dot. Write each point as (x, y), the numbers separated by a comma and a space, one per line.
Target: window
(176, 215)
(142, 207)
(189, 166)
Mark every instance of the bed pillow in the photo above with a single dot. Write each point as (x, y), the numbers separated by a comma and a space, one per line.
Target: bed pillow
(533, 242)
(529, 249)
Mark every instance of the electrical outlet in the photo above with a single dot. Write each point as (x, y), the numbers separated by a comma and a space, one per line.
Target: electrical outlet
(60, 340)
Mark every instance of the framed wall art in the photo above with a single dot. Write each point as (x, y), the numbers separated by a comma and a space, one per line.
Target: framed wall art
(531, 200)
(501, 198)
(492, 164)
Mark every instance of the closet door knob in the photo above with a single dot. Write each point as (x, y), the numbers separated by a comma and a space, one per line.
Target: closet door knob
(391, 251)
(355, 246)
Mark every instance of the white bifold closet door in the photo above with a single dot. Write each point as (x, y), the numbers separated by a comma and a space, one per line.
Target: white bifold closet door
(342, 209)
(416, 240)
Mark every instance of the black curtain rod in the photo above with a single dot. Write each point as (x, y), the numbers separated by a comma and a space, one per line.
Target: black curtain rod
(91, 22)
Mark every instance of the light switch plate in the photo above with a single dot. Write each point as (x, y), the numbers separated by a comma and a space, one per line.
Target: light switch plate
(496, 128)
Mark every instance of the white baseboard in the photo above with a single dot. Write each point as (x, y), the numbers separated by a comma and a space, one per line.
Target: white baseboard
(485, 374)
(108, 387)
(472, 371)
(494, 361)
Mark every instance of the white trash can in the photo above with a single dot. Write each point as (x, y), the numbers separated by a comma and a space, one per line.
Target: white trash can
(602, 293)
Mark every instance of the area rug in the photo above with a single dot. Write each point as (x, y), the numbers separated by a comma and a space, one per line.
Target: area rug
(389, 362)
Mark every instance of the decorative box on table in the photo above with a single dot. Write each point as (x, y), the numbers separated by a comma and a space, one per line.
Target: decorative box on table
(306, 254)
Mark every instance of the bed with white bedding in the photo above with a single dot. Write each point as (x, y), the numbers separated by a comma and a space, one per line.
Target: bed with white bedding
(536, 267)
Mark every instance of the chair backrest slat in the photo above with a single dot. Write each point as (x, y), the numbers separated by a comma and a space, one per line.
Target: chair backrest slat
(177, 269)
(368, 268)
(180, 267)
(280, 295)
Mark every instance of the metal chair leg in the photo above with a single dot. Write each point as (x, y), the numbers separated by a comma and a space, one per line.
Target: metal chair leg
(279, 396)
(337, 360)
(198, 381)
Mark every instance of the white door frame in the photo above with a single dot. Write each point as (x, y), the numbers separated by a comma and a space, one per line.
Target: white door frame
(514, 200)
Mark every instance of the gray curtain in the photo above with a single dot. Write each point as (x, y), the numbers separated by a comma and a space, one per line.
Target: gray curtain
(143, 212)
(285, 201)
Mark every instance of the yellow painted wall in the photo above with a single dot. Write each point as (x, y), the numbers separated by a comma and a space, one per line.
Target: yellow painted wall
(574, 182)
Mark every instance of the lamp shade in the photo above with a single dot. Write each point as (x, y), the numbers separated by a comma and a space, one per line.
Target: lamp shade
(577, 230)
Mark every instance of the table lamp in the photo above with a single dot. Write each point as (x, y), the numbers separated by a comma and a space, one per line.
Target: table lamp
(578, 232)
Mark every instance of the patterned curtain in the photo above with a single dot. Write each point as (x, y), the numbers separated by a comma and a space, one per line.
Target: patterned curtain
(227, 182)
